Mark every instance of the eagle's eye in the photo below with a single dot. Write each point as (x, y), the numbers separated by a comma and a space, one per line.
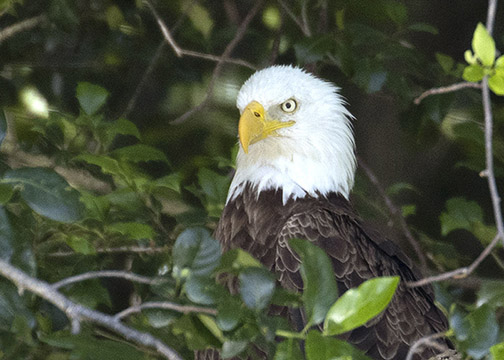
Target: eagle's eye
(289, 106)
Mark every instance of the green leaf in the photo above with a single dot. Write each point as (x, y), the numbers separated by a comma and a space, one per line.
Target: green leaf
(423, 27)
(80, 245)
(133, 230)
(122, 127)
(3, 126)
(235, 260)
(215, 188)
(446, 62)
(288, 349)
(460, 214)
(357, 306)
(496, 84)
(497, 351)
(313, 49)
(200, 18)
(233, 348)
(197, 251)
(229, 313)
(6, 192)
(6, 236)
(473, 73)
(197, 335)
(140, 153)
(91, 97)
(396, 11)
(320, 289)
(257, 286)
(46, 193)
(319, 347)
(476, 332)
(11, 304)
(159, 318)
(483, 45)
(171, 182)
(491, 293)
(107, 164)
(201, 289)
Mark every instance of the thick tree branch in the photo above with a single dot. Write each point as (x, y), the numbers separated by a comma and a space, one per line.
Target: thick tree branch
(77, 313)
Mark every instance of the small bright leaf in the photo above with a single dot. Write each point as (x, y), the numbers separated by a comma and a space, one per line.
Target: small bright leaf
(359, 305)
(320, 289)
(47, 193)
(91, 97)
(497, 351)
(483, 45)
(496, 84)
(256, 287)
(473, 73)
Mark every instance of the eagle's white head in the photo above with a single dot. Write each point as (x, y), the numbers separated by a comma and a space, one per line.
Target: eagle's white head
(295, 135)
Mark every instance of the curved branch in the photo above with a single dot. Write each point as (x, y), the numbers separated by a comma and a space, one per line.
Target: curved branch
(165, 305)
(107, 274)
(446, 89)
(27, 24)
(77, 313)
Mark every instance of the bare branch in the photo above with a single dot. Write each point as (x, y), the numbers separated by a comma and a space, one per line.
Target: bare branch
(458, 273)
(77, 313)
(24, 25)
(165, 305)
(300, 22)
(180, 52)
(426, 341)
(396, 213)
(121, 249)
(446, 89)
(492, 8)
(107, 274)
(240, 32)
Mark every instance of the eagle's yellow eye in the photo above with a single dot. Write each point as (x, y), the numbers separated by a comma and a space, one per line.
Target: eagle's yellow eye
(289, 106)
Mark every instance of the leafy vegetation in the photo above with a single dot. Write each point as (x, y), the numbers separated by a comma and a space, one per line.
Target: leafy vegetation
(116, 154)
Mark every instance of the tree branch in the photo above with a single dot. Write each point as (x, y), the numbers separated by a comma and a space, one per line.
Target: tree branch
(21, 26)
(240, 32)
(394, 211)
(180, 52)
(121, 249)
(165, 305)
(107, 274)
(301, 23)
(77, 313)
(446, 89)
(429, 341)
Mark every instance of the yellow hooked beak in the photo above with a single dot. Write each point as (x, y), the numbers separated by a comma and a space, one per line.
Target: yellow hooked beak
(254, 126)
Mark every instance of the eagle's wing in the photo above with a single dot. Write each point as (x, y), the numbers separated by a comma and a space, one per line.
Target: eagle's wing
(357, 255)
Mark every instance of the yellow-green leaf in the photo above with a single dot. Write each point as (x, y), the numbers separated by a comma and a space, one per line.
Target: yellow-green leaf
(483, 45)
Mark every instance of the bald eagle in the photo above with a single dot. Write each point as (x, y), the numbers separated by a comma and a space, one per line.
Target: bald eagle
(294, 172)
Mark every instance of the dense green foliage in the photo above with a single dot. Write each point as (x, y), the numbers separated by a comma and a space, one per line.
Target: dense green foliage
(101, 167)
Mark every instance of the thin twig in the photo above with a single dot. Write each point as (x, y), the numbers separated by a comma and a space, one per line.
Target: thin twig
(425, 341)
(24, 25)
(77, 313)
(457, 273)
(240, 32)
(107, 274)
(293, 16)
(180, 52)
(395, 212)
(447, 89)
(164, 305)
(121, 249)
